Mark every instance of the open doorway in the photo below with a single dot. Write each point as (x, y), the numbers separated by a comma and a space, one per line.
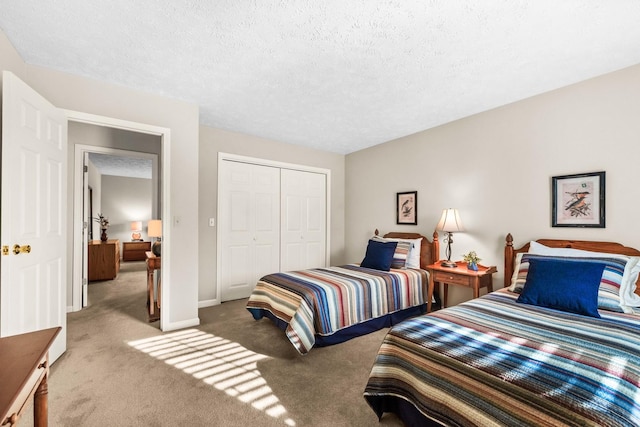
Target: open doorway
(118, 185)
(107, 136)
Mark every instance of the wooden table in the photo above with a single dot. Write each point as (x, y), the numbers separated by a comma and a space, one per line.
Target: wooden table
(23, 375)
(153, 263)
(460, 276)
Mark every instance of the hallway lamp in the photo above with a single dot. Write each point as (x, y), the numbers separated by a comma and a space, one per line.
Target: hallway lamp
(154, 229)
(449, 223)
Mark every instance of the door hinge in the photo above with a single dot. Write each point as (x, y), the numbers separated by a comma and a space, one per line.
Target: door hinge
(85, 168)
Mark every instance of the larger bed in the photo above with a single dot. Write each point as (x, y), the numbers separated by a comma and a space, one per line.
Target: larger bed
(325, 306)
(506, 359)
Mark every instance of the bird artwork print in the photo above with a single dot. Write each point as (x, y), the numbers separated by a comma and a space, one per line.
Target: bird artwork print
(578, 204)
(407, 209)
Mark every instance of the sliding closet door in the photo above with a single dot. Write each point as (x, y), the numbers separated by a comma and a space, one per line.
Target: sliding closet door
(304, 220)
(249, 221)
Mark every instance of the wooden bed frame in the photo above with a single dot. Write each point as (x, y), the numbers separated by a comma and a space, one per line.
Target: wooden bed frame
(429, 250)
(586, 245)
(429, 254)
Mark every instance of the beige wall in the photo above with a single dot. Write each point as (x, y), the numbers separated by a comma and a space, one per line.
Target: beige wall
(124, 200)
(180, 284)
(213, 141)
(496, 168)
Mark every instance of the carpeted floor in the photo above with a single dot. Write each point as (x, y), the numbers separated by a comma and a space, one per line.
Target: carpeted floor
(120, 370)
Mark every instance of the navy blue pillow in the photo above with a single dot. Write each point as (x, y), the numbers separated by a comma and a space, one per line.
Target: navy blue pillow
(379, 255)
(569, 284)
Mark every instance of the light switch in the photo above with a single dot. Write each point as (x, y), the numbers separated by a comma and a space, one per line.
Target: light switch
(212, 222)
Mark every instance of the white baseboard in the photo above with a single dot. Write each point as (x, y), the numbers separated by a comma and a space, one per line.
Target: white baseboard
(174, 326)
(208, 303)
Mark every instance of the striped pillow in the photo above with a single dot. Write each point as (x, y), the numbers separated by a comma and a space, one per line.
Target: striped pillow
(610, 282)
(401, 253)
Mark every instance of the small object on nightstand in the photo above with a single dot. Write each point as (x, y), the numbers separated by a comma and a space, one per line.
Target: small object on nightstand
(472, 260)
(460, 276)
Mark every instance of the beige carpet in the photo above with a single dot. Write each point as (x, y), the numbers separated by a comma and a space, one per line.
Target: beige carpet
(120, 370)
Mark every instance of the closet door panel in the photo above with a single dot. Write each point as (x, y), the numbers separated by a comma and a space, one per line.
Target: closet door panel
(249, 225)
(303, 220)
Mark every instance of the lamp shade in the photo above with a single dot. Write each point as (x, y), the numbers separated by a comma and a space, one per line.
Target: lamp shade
(154, 228)
(450, 221)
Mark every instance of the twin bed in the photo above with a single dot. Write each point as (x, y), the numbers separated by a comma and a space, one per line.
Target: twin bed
(523, 355)
(557, 346)
(325, 306)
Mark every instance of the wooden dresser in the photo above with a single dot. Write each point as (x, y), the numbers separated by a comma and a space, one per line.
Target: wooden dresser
(104, 259)
(135, 251)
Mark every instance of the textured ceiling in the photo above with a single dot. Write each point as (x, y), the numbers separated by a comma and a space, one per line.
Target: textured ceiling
(337, 75)
(131, 167)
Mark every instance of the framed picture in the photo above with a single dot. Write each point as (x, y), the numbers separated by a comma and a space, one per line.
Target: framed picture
(578, 200)
(407, 208)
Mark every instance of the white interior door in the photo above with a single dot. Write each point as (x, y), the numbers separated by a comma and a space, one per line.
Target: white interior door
(304, 219)
(249, 223)
(33, 214)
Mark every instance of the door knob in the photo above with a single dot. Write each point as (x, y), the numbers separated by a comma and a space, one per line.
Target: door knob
(24, 249)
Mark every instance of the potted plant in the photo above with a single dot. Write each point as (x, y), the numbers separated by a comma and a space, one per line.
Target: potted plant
(471, 259)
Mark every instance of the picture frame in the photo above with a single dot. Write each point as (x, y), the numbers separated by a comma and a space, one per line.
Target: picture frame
(407, 208)
(578, 200)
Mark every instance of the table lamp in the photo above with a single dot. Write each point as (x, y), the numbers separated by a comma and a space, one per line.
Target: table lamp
(136, 228)
(154, 229)
(449, 223)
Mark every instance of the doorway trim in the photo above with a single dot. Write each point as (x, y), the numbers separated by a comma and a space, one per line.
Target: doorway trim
(78, 220)
(79, 214)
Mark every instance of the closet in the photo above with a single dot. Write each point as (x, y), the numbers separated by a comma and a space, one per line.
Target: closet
(271, 217)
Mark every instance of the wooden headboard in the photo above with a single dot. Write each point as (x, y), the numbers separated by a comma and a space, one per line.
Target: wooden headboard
(429, 250)
(586, 245)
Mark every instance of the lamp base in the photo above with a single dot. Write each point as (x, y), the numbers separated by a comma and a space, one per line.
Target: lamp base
(155, 248)
(449, 264)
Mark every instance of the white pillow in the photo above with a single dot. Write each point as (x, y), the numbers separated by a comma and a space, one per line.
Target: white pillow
(516, 268)
(540, 249)
(413, 258)
(631, 271)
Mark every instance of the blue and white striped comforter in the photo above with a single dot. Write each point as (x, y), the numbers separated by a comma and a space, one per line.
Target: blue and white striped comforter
(494, 362)
(323, 301)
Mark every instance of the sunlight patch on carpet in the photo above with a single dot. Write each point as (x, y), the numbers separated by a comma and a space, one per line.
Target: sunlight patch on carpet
(221, 363)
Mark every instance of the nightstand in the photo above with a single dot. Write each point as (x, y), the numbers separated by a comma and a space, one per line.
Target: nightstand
(460, 276)
(135, 251)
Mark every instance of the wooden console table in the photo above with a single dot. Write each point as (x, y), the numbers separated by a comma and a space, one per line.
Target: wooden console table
(153, 263)
(23, 375)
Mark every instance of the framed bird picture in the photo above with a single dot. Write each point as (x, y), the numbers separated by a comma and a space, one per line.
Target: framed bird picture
(578, 200)
(407, 208)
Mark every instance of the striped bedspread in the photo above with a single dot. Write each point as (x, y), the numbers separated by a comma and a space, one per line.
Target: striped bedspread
(492, 361)
(325, 300)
